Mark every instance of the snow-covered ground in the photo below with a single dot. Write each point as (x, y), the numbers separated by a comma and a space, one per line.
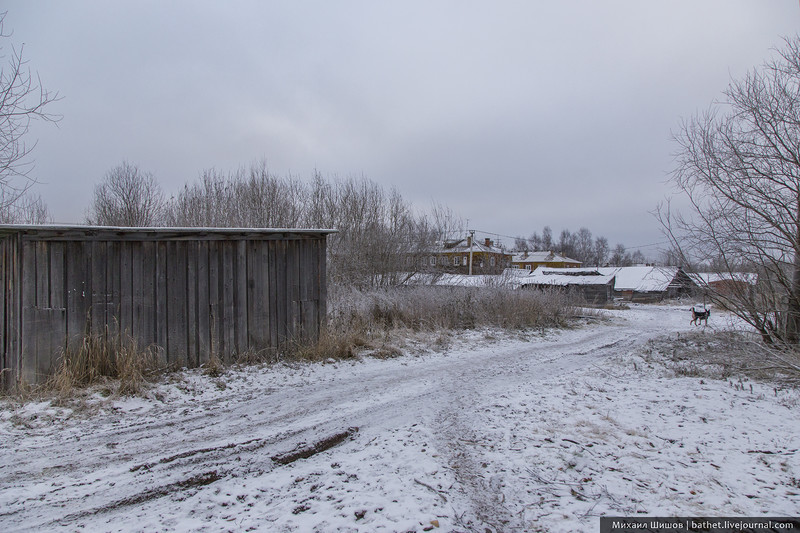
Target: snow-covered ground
(498, 432)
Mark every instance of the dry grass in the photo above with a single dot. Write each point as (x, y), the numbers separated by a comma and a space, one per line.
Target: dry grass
(376, 322)
(447, 308)
(381, 323)
(104, 358)
(724, 355)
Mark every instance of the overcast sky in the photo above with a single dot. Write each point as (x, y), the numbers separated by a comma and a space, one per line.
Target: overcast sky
(516, 115)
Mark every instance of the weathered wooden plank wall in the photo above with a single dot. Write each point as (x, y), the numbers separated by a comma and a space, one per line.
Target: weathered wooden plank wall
(193, 294)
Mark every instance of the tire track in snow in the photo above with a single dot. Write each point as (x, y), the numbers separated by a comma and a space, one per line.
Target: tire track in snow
(240, 434)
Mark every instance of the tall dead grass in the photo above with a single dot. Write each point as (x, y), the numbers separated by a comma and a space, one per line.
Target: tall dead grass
(101, 358)
(450, 308)
(359, 319)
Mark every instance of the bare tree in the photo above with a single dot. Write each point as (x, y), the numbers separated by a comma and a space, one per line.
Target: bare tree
(738, 164)
(380, 239)
(22, 100)
(584, 246)
(127, 196)
(601, 251)
(25, 209)
(618, 256)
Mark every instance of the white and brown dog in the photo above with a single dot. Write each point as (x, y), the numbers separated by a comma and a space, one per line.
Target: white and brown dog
(700, 316)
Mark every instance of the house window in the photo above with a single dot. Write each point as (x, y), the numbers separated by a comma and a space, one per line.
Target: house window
(491, 261)
(465, 261)
(433, 260)
(527, 267)
(456, 261)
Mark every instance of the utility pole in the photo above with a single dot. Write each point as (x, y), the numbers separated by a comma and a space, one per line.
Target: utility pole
(471, 246)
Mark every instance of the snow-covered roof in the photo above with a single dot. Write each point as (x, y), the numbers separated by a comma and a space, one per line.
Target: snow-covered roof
(563, 277)
(641, 278)
(463, 247)
(463, 280)
(541, 257)
(704, 278)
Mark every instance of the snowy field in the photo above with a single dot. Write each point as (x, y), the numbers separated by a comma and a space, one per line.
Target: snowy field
(493, 432)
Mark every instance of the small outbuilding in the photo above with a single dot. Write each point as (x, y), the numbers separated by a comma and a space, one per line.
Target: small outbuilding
(192, 293)
(649, 283)
(595, 288)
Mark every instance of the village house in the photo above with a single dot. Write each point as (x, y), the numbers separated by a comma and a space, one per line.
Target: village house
(593, 286)
(533, 260)
(650, 283)
(467, 256)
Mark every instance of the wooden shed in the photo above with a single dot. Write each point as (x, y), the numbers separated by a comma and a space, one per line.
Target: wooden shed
(594, 287)
(190, 292)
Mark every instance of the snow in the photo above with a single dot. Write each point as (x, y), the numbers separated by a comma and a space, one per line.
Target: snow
(565, 277)
(641, 278)
(507, 431)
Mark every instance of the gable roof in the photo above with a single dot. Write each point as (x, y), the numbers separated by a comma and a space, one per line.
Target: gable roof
(541, 257)
(462, 247)
(562, 277)
(704, 278)
(643, 278)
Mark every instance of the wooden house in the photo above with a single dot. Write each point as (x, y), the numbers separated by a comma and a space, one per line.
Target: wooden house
(192, 293)
(466, 256)
(594, 287)
(650, 283)
(533, 260)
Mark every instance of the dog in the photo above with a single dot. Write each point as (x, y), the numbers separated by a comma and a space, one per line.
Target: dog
(700, 316)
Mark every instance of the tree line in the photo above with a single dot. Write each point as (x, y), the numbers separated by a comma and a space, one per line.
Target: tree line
(380, 235)
(377, 229)
(581, 246)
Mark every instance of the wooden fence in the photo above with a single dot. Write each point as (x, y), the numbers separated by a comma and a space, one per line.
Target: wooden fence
(189, 292)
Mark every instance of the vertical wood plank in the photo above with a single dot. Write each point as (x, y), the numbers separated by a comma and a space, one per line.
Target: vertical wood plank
(322, 281)
(258, 296)
(278, 290)
(13, 360)
(112, 272)
(99, 300)
(145, 294)
(214, 298)
(42, 266)
(28, 344)
(126, 289)
(176, 302)
(5, 370)
(77, 297)
(228, 331)
(203, 305)
(293, 284)
(192, 320)
(161, 310)
(240, 296)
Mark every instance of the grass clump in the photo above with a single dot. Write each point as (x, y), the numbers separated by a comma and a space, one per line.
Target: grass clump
(102, 358)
